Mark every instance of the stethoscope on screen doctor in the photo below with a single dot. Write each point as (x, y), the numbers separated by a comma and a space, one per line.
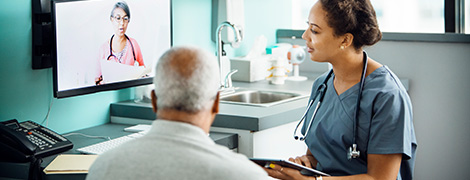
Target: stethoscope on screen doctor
(353, 152)
(111, 49)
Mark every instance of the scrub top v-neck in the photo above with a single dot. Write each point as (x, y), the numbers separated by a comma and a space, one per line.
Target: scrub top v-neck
(384, 124)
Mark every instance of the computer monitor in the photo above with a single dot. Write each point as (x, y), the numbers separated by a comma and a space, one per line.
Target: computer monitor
(105, 45)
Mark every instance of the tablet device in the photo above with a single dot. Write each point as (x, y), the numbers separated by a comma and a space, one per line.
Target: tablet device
(303, 170)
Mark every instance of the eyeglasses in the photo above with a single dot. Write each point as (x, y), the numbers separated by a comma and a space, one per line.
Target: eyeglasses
(121, 19)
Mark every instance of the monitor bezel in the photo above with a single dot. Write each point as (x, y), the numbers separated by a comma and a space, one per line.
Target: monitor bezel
(92, 89)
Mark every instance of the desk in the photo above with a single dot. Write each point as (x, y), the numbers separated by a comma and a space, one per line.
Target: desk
(111, 130)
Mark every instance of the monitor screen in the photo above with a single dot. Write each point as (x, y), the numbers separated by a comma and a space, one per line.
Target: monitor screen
(107, 44)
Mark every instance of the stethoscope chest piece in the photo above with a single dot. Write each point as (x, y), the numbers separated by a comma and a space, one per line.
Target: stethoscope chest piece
(353, 152)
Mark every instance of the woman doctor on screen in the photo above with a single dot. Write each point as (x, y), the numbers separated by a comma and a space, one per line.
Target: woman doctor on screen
(120, 48)
(384, 144)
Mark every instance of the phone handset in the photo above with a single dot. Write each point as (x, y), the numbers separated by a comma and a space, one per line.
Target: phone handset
(14, 144)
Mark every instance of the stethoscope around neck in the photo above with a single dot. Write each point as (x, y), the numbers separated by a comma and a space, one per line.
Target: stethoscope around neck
(353, 150)
(111, 48)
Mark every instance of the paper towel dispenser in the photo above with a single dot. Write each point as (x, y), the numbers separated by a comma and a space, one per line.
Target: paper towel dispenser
(227, 10)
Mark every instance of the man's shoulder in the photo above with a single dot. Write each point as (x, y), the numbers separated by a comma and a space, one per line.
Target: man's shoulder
(235, 161)
(215, 160)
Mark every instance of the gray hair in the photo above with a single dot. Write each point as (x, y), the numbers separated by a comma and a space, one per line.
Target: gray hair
(186, 79)
(123, 5)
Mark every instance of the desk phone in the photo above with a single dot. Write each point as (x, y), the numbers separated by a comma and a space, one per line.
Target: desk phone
(21, 141)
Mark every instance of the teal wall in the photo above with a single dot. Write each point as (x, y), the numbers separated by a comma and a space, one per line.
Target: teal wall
(26, 94)
(192, 23)
(264, 18)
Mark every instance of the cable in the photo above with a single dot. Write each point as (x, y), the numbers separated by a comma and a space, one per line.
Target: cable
(89, 136)
(46, 119)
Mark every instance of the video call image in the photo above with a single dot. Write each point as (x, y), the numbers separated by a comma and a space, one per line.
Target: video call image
(107, 41)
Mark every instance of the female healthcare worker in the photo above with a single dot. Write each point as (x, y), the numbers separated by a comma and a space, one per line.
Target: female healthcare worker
(378, 143)
(120, 48)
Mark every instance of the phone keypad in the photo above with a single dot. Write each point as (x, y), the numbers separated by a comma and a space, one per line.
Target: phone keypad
(38, 142)
(37, 137)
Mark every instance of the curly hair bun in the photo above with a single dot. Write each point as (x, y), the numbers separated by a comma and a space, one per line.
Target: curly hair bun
(353, 16)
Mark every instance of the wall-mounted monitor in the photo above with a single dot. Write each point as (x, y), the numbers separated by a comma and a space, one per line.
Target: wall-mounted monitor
(105, 45)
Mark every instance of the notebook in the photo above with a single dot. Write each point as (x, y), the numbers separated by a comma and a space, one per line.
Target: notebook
(70, 164)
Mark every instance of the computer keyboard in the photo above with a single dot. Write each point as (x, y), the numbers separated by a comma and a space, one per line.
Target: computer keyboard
(102, 147)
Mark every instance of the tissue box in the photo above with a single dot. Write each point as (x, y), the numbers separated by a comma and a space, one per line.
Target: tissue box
(250, 69)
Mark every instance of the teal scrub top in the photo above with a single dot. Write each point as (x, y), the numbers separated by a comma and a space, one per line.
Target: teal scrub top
(385, 125)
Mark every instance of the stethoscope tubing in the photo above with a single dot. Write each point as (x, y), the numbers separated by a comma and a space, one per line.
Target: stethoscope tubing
(111, 48)
(311, 119)
(322, 90)
(310, 103)
(359, 96)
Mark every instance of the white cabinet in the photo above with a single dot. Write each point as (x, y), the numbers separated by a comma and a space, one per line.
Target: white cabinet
(277, 142)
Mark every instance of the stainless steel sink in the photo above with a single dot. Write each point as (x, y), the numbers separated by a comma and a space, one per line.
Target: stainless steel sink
(260, 98)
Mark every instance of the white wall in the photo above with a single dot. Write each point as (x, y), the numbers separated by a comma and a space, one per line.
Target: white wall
(439, 90)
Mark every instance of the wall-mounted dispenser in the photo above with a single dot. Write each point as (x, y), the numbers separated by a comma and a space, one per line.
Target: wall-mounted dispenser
(42, 34)
(232, 11)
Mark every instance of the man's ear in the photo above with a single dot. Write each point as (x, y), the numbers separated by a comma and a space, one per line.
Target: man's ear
(215, 106)
(154, 101)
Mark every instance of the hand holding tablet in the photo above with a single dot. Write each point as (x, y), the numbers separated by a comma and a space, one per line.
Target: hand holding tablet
(303, 170)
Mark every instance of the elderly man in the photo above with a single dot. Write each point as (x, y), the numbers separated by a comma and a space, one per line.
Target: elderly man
(186, 100)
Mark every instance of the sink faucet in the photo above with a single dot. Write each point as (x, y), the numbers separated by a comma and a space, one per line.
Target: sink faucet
(227, 81)
(228, 78)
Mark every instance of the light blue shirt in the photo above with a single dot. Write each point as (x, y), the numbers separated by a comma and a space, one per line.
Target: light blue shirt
(385, 125)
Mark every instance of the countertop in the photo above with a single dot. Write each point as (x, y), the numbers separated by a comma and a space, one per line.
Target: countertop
(236, 116)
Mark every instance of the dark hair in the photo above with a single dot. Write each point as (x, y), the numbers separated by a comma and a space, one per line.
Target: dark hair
(123, 6)
(353, 16)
